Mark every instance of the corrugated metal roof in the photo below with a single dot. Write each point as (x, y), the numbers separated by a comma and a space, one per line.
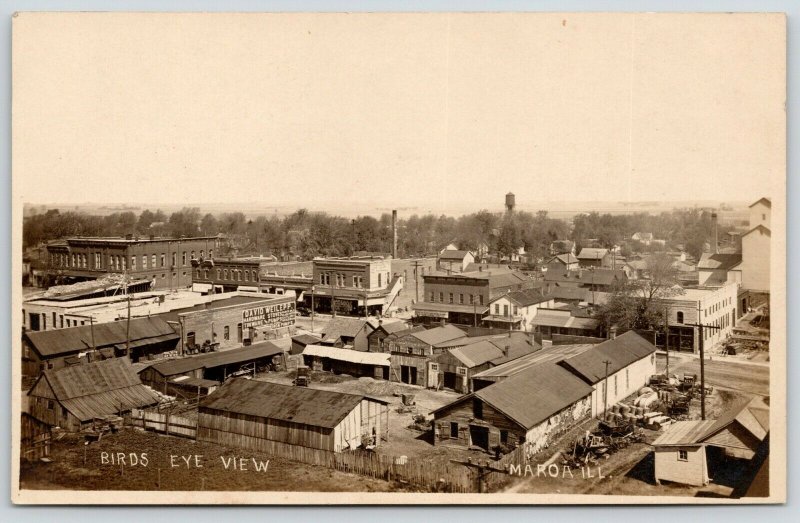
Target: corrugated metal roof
(551, 354)
(303, 405)
(534, 394)
(349, 355)
(683, 433)
(99, 389)
(74, 339)
(216, 359)
(623, 350)
(477, 353)
(439, 335)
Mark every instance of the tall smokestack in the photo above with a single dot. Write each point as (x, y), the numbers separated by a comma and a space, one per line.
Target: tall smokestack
(394, 235)
(716, 229)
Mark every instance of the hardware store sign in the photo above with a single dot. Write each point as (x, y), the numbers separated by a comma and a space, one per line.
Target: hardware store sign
(270, 316)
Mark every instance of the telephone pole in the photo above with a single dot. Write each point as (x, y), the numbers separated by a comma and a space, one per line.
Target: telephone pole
(128, 322)
(483, 469)
(666, 337)
(417, 264)
(605, 389)
(702, 364)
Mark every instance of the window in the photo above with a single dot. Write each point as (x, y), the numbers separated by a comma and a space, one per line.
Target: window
(69, 322)
(225, 274)
(174, 259)
(461, 299)
(226, 333)
(516, 310)
(322, 279)
(183, 258)
(239, 332)
(379, 284)
(133, 263)
(255, 275)
(239, 275)
(219, 273)
(764, 217)
(504, 437)
(683, 455)
(433, 296)
(453, 429)
(505, 310)
(50, 405)
(477, 408)
(205, 274)
(680, 316)
(480, 299)
(246, 275)
(441, 297)
(144, 261)
(472, 299)
(497, 308)
(450, 298)
(153, 261)
(60, 319)
(124, 260)
(163, 259)
(190, 338)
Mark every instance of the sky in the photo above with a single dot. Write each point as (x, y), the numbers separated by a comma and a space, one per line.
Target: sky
(396, 110)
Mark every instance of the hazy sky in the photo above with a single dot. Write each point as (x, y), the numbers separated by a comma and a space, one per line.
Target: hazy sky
(397, 109)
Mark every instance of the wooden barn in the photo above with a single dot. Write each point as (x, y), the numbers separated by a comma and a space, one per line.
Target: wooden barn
(273, 418)
(72, 397)
(531, 407)
(691, 452)
(347, 361)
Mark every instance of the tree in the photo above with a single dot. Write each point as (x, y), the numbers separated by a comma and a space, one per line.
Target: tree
(640, 304)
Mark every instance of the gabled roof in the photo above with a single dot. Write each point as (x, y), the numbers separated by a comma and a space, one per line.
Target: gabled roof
(765, 201)
(550, 354)
(752, 415)
(306, 339)
(711, 261)
(98, 389)
(302, 405)
(592, 253)
(523, 298)
(210, 360)
(477, 354)
(763, 229)
(439, 335)
(75, 339)
(566, 259)
(621, 351)
(389, 327)
(344, 327)
(533, 395)
(453, 255)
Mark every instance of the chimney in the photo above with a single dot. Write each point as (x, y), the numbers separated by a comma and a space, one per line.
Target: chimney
(394, 235)
(612, 332)
(716, 239)
(152, 237)
(506, 350)
(129, 236)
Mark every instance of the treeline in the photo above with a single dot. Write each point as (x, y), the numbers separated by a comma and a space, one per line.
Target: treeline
(308, 234)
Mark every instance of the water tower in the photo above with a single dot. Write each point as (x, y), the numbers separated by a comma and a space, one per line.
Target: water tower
(510, 202)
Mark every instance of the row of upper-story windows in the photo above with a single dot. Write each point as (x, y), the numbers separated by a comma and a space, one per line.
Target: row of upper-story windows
(340, 280)
(718, 306)
(119, 262)
(228, 274)
(471, 299)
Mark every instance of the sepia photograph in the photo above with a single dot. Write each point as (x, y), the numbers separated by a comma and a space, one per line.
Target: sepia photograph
(398, 258)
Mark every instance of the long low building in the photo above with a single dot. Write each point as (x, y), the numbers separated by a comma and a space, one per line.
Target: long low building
(216, 366)
(54, 349)
(273, 418)
(72, 397)
(347, 361)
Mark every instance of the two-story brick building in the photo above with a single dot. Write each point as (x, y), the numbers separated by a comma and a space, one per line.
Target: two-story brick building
(464, 298)
(714, 306)
(254, 274)
(347, 285)
(166, 262)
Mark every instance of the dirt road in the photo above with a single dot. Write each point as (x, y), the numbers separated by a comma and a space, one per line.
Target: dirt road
(742, 377)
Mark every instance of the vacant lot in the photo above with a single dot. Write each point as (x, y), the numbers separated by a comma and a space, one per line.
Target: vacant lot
(76, 467)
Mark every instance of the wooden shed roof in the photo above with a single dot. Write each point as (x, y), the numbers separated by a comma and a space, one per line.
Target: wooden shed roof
(302, 405)
(621, 351)
(216, 359)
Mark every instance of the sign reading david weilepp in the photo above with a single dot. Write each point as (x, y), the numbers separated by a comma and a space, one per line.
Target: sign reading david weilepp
(270, 316)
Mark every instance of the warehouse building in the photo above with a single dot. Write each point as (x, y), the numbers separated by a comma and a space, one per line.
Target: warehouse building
(282, 419)
(72, 397)
(347, 361)
(146, 338)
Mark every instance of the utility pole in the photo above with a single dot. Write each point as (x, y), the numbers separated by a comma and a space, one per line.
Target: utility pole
(333, 296)
(666, 337)
(605, 389)
(312, 308)
(474, 311)
(128, 322)
(702, 365)
(484, 469)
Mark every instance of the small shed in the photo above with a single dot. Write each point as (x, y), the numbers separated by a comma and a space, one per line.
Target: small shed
(280, 419)
(72, 397)
(301, 341)
(347, 361)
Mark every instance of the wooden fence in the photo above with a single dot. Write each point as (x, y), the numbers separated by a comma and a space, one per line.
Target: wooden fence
(165, 423)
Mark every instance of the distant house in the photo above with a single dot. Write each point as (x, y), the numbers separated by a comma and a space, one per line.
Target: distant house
(686, 451)
(347, 332)
(564, 321)
(562, 262)
(72, 397)
(594, 257)
(382, 331)
(643, 237)
(454, 261)
(530, 407)
(562, 247)
(273, 418)
(301, 341)
(413, 351)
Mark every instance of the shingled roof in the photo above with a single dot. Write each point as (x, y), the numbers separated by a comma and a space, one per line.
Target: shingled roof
(621, 351)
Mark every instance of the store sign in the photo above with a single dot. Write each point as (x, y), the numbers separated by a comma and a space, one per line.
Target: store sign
(432, 314)
(269, 316)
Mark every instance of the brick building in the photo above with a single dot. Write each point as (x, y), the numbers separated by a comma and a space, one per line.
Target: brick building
(166, 262)
(348, 285)
(464, 298)
(251, 274)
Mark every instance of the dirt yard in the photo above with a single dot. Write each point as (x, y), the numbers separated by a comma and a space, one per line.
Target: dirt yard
(167, 468)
